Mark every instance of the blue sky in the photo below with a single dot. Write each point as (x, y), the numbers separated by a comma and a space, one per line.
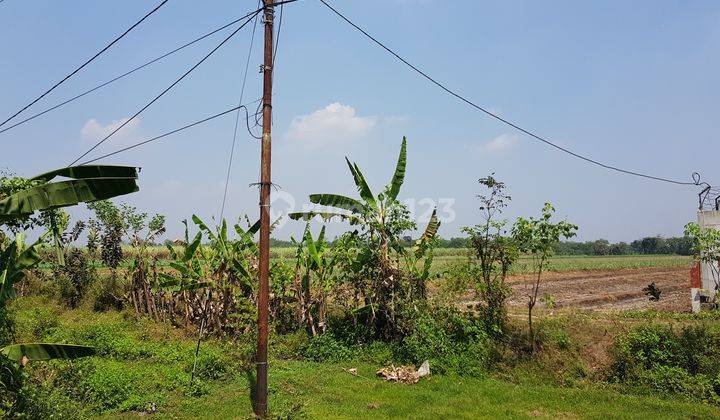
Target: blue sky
(634, 84)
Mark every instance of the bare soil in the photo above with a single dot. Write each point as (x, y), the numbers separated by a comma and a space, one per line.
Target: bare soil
(608, 290)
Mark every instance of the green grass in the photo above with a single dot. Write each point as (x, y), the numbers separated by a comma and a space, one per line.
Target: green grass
(313, 390)
(141, 362)
(562, 263)
(444, 257)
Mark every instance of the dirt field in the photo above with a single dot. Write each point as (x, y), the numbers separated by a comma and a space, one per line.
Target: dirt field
(609, 290)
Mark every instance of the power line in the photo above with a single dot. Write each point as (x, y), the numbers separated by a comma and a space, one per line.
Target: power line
(155, 60)
(168, 88)
(177, 130)
(497, 117)
(85, 63)
(237, 120)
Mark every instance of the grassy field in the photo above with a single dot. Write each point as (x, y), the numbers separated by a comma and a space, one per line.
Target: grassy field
(142, 363)
(446, 257)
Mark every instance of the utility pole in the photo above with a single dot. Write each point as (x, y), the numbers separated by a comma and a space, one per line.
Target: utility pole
(261, 357)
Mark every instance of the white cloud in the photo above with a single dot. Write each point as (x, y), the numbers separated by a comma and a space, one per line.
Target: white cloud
(93, 130)
(335, 122)
(500, 143)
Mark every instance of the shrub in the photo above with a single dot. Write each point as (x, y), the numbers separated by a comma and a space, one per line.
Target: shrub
(660, 358)
(104, 386)
(74, 278)
(326, 347)
(452, 342)
(211, 364)
(7, 327)
(108, 294)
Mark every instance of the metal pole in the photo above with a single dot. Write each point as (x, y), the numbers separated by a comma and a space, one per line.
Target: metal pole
(261, 384)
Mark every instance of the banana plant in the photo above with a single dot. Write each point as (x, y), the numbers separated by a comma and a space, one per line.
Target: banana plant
(382, 218)
(370, 211)
(316, 263)
(87, 183)
(24, 353)
(422, 249)
(14, 260)
(214, 282)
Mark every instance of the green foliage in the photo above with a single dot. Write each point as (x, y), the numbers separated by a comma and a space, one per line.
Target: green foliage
(326, 347)
(381, 284)
(74, 278)
(224, 272)
(538, 237)
(452, 342)
(15, 258)
(663, 359)
(706, 249)
(494, 255)
(107, 293)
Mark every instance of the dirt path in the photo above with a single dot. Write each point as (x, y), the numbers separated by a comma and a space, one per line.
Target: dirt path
(609, 290)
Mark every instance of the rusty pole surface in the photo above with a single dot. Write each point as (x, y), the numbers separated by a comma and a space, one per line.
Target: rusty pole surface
(261, 357)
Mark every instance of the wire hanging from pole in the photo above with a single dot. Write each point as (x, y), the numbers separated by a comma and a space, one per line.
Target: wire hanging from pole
(167, 89)
(127, 73)
(497, 117)
(177, 130)
(98, 54)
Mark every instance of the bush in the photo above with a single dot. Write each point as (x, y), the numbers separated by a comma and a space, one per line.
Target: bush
(107, 294)
(326, 348)
(74, 278)
(11, 381)
(450, 341)
(210, 365)
(105, 386)
(659, 358)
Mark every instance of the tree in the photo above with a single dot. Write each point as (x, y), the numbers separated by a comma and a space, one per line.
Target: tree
(538, 238)
(495, 253)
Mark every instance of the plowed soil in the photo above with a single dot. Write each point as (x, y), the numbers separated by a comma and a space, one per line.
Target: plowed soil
(609, 290)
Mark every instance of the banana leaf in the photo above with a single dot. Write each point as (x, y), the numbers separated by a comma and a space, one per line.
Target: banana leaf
(87, 184)
(423, 243)
(326, 216)
(89, 171)
(312, 250)
(362, 185)
(45, 351)
(339, 201)
(14, 259)
(393, 189)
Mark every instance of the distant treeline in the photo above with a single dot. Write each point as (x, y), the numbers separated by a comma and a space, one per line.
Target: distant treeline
(648, 245)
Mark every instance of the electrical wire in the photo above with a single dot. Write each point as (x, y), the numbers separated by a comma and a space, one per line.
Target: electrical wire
(237, 120)
(85, 63)
(177, 130)
(196, 65)
(497, 117)
(127, 73)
